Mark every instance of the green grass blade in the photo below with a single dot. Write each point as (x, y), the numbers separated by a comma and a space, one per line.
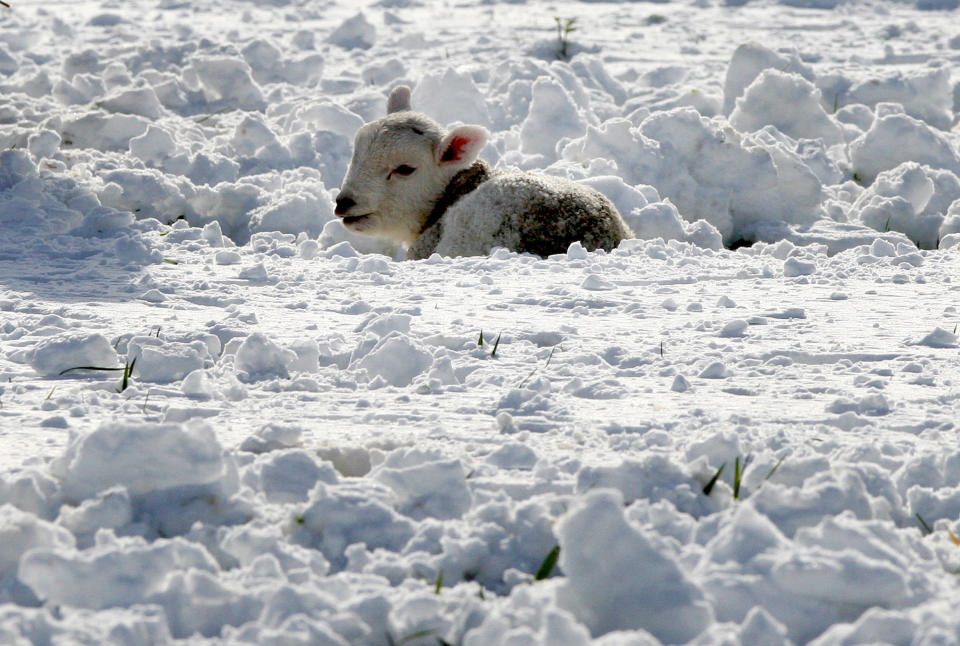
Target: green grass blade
(546, 568)
(63, 372)
(775, 467)
(127, 371)
(549, 356)
(707, 488)
(496, 344)
(737, 477)
(533, 372)
(415, 635)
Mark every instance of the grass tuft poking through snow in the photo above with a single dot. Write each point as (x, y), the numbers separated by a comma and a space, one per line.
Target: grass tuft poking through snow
(564, 29)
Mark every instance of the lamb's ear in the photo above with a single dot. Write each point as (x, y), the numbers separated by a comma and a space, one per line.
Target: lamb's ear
(461, 146)
(399, 99)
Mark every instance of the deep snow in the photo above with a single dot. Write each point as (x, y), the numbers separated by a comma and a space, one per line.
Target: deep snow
(313, 447)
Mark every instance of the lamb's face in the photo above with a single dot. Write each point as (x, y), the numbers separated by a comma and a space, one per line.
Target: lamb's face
(401, 165)
(392, 178)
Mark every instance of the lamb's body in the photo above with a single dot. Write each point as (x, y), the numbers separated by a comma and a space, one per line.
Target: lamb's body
(522, 212)
(412, 181)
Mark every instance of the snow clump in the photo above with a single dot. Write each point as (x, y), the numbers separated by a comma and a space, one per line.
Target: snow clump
(622, 578)
(805, 117)
(258, 358)
(690, 160)
(72, 350)
(896, 138)
(141, 458)
(912, 199)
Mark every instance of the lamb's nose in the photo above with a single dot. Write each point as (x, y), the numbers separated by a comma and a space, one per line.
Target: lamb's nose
(344, 204)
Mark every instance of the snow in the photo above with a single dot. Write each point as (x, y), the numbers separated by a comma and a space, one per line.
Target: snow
(552, 116)
(620, 578)
(141, 458)
(737, 428)
(65, 351)
(763, 101)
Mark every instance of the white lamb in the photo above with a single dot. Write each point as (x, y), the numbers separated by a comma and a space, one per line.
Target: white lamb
(412, 181)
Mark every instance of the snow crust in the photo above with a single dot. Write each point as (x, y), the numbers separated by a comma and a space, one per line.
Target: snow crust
(225, 419)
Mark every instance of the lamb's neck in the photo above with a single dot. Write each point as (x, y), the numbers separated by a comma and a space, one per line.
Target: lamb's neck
(461, 184)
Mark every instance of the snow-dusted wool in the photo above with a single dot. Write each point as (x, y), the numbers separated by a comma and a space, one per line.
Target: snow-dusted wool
(412, 181)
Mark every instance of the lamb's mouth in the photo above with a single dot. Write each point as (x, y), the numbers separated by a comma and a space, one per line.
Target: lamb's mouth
(355, 219)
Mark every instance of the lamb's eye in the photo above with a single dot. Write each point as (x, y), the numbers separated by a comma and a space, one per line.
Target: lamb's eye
(403, 170)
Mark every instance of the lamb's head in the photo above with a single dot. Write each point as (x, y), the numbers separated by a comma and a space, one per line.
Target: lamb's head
(401, 165)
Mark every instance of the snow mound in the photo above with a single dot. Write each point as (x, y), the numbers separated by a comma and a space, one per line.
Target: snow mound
(793, 267)
(910, 198)
(733, 181)
(288, 476)
(662, 220)
(897, 138)
(425, 485)
(789, 102)
(652, 478)
(72, 350)
(939, 338)
(260, 358)
(450, 96)
(621, 578)
(748, 62)
(102, 131)
(337, 516)
(924, 94)
(354, 33)
(294, 214)
(31, 202)
(272, 437)
(396, 359)
(224, 81)
(21, 531)
(140, 457)
(166, 361)
(553, 116)
(111, 575)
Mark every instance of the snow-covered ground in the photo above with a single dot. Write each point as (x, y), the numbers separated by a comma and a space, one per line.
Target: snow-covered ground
(313, 447)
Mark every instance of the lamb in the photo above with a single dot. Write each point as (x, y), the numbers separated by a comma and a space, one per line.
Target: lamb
(412, 181)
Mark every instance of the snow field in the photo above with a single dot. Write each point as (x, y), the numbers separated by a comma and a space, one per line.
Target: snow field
(308, 528)
(313, 448)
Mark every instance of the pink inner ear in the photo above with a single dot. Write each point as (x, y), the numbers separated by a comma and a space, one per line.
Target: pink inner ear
(456, 150)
